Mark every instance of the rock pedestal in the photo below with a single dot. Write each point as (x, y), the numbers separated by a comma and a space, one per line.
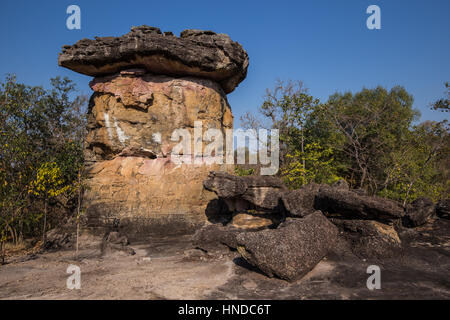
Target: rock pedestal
(146, 86)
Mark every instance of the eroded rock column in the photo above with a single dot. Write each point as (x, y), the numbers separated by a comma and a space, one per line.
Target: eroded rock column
(133, 113)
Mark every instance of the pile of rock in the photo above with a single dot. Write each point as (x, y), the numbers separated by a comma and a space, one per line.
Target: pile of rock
(304, 225)
(284, 247)
(250, 202)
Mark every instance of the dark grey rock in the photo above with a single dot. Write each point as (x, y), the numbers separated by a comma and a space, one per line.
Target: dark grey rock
(203, 54)
(215, 237)
(292, 250)
(116, 238)
(370, 239)
(360, 192)
(114, 241)
(300, 202)
(418, 212)
(262, 192)
(341, 184)
(354, 206)
(196, 255)
(57, 239)
(225, 185)
(443, 209)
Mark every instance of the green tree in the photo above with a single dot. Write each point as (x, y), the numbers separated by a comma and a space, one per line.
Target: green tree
(313, 164)
(415, 168)
(443, 104)
(37, 126)
(48, 185)
(368, 126)
(289, 108)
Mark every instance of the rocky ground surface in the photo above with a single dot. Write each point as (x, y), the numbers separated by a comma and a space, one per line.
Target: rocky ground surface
(171, 268)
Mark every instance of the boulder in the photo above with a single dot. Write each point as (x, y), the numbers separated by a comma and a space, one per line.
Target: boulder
(57, 239)
(370, 239)
(418, 212)
(443, 209)
(241, 193)
(247, 221)
(215, 237)
(191, 255)
(300, 202)
(355, 206)
(291, 250)
(341, 184)
(114, 242)
(202, 54)
(225, 185)
(265, 197)
(116, 238)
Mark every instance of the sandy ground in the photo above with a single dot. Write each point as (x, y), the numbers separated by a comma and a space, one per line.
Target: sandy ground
(169, 268)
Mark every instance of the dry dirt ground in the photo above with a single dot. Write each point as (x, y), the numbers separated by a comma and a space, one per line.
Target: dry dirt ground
(169, 268)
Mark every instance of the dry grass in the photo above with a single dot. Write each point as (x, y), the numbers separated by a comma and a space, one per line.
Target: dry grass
(21, 248)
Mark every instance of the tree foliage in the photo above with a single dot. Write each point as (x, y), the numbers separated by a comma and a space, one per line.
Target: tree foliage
(303, 158)
(370, 138)
(443, 104)
(40, 151)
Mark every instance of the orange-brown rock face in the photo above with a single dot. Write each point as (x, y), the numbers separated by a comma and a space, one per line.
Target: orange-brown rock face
(131, 175)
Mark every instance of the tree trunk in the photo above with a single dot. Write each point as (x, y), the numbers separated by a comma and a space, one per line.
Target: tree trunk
(407, 193)
(20, 236)
(363, 178)
(12, 233)
(45, 223)
(2, 251)
(78, 212)
(303, 159)
(78, 235)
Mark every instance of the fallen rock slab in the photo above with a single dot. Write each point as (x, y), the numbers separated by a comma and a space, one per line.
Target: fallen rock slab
(355, 206)
(240, 193)
(291, 250)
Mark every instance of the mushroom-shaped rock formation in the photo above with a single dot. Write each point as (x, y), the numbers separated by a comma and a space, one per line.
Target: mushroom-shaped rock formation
(147, 85)
(195, 53)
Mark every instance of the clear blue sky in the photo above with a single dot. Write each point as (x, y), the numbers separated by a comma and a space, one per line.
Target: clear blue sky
(324, 43)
